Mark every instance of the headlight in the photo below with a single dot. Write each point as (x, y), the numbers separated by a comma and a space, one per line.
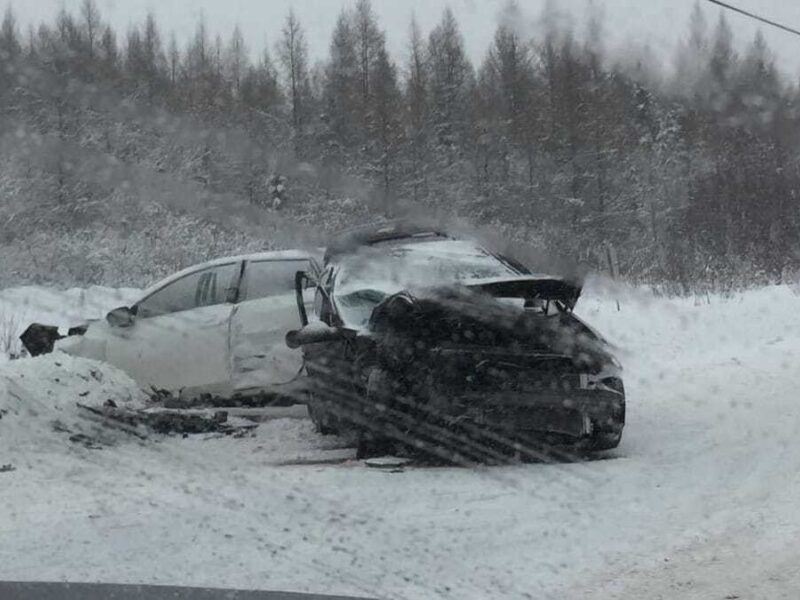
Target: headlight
(614, 383)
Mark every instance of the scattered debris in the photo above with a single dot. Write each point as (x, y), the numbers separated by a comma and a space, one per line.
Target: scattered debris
(39, 339)
(85, 440)
(167, 421)
(256, 400)
(392, 464)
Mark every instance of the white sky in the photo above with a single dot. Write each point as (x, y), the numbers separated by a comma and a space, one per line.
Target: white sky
(660, 23)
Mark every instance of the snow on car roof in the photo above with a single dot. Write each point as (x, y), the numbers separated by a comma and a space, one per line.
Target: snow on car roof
(396, 265)
(376, 233)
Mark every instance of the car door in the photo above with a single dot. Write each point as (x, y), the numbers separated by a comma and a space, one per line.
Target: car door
(179, 338)
(266, 311)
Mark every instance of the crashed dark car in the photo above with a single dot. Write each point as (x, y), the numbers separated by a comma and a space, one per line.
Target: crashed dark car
(431, 343)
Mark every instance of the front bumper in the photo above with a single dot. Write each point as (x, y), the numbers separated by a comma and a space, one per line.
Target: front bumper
(574, 415)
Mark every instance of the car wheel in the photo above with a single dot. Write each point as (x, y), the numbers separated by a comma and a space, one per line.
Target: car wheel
(369, 446)
(371, 441)
(318, 416)
(605, 440)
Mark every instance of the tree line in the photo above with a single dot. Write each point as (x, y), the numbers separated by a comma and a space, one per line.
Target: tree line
(688, 175)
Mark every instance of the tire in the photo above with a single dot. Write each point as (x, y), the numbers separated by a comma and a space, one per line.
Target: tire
(371, 442)
(369, 446)
(604, 440)
(318, 416)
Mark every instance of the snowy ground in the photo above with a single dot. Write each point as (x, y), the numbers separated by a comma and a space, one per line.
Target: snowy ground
(698, 502)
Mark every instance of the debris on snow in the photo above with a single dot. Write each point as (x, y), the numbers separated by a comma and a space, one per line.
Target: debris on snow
(39, 339)
(167, 421)
(39, 400)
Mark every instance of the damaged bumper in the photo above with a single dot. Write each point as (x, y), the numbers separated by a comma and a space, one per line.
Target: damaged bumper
(575, 415)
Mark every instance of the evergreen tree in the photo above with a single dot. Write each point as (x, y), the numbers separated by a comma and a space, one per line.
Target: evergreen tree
(417, 111)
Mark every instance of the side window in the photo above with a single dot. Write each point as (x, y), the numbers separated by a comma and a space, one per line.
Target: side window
(265, 278)
(202, 288)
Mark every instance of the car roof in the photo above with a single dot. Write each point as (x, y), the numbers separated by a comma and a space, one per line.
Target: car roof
(224, 260)
(434, 243)
(351, 240)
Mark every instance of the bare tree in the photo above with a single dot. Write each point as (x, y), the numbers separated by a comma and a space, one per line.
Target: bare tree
(369, 43)
(342, 86)
(91, 25)
(386, 125)
(173, 60)
(236, 61)
(293, 55)
(417, 102)
(10, 47)
(450, 77)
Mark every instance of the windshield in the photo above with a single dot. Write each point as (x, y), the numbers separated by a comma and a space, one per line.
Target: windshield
(365, 278)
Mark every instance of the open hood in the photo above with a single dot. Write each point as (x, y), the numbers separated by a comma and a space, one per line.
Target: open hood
(474, 313)
(530, 287)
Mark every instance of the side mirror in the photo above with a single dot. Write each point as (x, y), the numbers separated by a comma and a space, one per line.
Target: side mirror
(313, 333)
(120, 317)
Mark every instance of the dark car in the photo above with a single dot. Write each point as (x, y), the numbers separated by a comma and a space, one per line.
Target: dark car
(433, 343)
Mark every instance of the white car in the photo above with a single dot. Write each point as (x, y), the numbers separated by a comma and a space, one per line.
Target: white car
(215, 328)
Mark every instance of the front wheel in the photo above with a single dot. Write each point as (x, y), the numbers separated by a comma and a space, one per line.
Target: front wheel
(319, 416)
(373, 439)
(605, 440)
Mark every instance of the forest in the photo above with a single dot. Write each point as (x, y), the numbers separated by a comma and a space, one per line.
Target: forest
(126, 155)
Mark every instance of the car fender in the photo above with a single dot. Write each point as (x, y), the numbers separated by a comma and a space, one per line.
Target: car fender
(89, 345)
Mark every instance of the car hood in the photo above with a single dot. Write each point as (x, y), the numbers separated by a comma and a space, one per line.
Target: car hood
(476, 314)
(523, 287)
(542, 287)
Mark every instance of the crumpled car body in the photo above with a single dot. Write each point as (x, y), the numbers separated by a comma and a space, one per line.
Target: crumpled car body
(215, 329)
(431, 342)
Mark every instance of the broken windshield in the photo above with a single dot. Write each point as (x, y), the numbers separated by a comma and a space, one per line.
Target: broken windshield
(364, 279)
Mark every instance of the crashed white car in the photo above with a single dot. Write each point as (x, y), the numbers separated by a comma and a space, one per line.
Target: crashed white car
(216, 328)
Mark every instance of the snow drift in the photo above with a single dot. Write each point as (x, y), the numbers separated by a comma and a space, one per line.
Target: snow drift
(39, 400)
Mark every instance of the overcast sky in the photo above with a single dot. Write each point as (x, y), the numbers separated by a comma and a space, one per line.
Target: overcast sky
(660, 23)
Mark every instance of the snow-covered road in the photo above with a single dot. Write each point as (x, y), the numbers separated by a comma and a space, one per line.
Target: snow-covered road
(700, 501)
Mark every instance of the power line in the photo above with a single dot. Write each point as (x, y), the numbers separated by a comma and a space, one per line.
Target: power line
(754, 16)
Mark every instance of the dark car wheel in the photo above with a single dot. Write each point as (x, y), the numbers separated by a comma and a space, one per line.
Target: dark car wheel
(605, 440)
(319, 416)
(371, 439)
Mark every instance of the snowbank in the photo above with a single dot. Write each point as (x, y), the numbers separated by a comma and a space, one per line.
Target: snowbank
(39, 400)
